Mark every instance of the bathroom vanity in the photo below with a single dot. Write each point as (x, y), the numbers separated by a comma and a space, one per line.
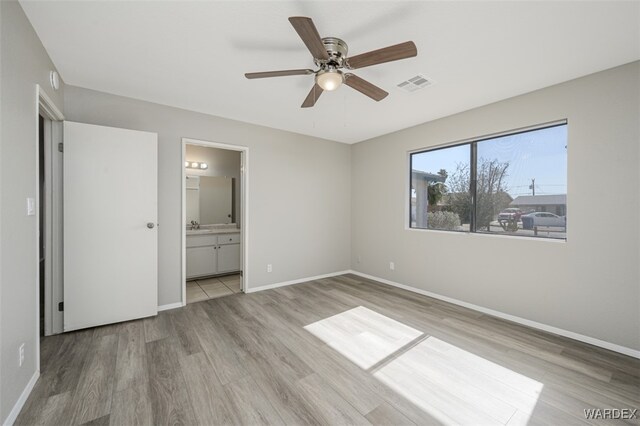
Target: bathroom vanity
(212, 251)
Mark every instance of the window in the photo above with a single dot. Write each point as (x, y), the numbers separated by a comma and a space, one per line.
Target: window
(512, 184)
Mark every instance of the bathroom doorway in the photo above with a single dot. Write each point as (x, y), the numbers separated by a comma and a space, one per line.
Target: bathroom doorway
(214, 220)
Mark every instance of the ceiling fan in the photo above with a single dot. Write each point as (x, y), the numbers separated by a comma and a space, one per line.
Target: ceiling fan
(330, 56)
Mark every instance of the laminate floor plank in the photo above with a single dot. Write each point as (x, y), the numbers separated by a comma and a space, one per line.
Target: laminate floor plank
(92, 397)
(249, 405)
(224, 354)
(107, 330)
(509, 340)
(158, 327)
(339, 350)
(521, 333)
(132, 406)
(553, 355)
(131, 361)
(351, 389)
(284, 398)
(207, 396)
(63, 372)
(573, 406)
(545, 415)
(185, 331)
(49, 348)
(328, 405)
(54, 410)
(383, 293)
(263, 349)
(168, 391)
(591, 390)
(385, 414)
(100, 421)
(33, 408)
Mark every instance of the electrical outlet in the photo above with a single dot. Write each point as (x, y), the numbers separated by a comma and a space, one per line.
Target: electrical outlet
(392, 266)
(269, 268)
(359, 259)
(21, 355)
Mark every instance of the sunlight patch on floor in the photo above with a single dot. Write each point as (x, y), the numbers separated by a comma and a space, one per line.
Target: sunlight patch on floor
(363, 336)
(456, 386)
(452, 385)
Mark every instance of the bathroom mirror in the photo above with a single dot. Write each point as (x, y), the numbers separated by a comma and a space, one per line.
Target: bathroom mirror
(209, 199)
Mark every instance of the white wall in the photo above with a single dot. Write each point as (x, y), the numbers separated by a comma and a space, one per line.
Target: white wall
(589, 284)
(24, 62)
(222, 162)
(299, 188)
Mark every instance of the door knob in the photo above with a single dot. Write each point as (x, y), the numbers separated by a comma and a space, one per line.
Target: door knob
(150, 225)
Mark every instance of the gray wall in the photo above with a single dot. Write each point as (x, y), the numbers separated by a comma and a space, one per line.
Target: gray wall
(299, 191)
(24, 63)
(589, 285)
(222, 162)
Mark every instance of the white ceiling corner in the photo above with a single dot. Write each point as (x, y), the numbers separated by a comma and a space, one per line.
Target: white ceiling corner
(193, 54)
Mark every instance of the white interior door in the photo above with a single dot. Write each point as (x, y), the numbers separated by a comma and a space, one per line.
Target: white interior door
(110, 225)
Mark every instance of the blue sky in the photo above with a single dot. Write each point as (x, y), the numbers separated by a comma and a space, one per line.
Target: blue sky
(539, 154)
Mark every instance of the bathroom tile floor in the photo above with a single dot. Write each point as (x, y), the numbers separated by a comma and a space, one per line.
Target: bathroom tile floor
(211, 288)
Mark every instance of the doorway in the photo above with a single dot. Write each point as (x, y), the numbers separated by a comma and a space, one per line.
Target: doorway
(48, 216)
(41, 226)
(214, 224)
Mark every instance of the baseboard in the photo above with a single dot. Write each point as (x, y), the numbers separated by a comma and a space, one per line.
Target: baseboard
(13, 415)
(292, 282)
(533, 324)
(170, 306)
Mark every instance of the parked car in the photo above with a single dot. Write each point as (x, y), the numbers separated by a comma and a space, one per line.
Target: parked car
(531, 220)
(511, 213)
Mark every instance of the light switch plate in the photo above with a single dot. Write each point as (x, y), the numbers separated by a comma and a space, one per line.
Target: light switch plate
(31, 206)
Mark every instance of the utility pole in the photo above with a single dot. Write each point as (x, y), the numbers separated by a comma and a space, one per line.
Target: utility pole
(532, 187)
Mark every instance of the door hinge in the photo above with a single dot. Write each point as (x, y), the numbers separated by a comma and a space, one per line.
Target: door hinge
(61, 147)
(60, 306)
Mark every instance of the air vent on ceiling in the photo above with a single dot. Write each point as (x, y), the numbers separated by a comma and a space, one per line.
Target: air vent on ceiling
(418, 82)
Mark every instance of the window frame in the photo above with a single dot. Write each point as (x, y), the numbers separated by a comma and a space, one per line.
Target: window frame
(473, 174)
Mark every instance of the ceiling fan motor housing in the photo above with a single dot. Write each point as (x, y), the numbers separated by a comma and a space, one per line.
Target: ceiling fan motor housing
(337, 50)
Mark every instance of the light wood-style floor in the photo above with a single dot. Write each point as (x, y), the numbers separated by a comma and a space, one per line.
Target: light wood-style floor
(343, 350)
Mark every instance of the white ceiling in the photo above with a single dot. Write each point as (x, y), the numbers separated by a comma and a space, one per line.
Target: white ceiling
(193, 55)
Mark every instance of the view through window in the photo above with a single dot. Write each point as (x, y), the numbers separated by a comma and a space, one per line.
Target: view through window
(515, 184)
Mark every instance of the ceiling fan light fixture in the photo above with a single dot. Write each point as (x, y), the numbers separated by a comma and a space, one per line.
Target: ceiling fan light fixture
(329, 79)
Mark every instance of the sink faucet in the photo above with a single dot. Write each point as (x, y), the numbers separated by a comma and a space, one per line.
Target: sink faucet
(195, 225)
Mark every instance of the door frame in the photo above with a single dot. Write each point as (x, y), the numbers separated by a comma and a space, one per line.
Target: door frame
(53, 119)
(244, 209)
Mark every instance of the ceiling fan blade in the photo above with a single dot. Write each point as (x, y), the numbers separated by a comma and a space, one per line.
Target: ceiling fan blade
(310, 36)
(386, 54)
(364, 87)
(265, 74)
(312, 97)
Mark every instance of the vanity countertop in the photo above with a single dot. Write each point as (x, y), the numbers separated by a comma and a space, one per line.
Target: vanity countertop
(210, 231)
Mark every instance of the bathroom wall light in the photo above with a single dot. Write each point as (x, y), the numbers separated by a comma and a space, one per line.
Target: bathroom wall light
(196, 165)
